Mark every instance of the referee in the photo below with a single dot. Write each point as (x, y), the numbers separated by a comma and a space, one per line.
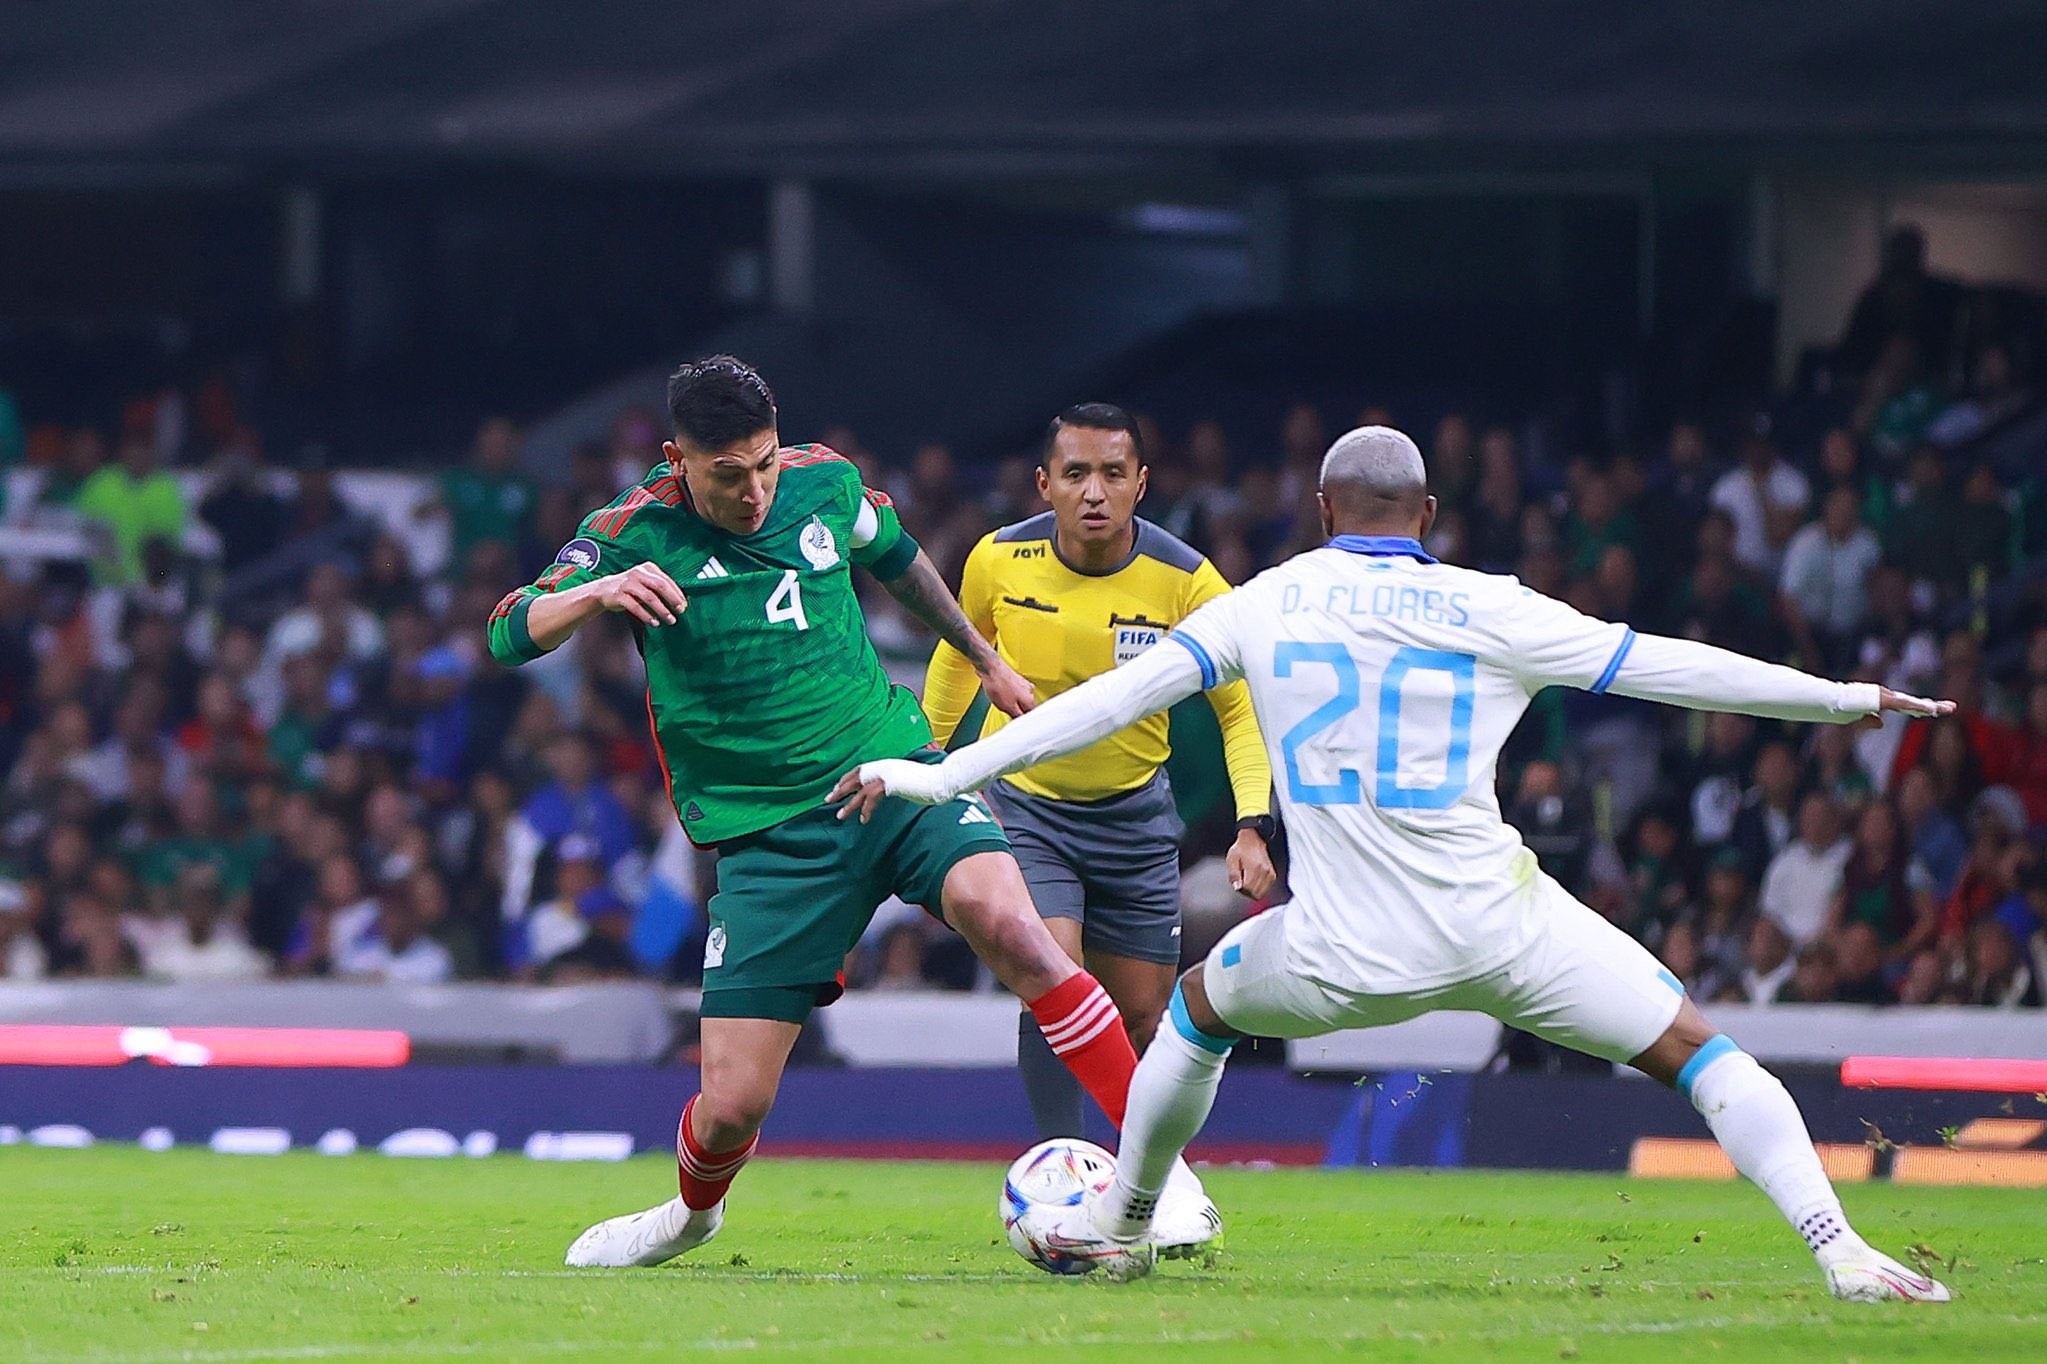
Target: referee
(1064, 596)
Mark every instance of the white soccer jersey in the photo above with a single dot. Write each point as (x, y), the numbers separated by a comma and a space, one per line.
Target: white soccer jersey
(1385, 684)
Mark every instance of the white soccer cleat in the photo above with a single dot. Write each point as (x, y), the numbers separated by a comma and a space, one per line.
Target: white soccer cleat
(1868, 1275)
(1068, 1232)
(1186, 1225)
(639, 1239)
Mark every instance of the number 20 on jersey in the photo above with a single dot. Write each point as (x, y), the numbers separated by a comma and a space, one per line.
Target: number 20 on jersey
(1295, 658)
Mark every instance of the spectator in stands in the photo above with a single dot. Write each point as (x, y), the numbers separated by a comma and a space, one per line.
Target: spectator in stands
(1769, 813)
(1934, 837)
(1834, 766)
(1816, 979)
(1598, 522)
(577, 801)
(331, 622)
(1998, 974)
(1724, 920)
(338, 915)
(1800, 885)
(1926, 527)
(1717, 602)
(582, 897)
(1495, 517)
(89, 940)
(1453, 462)
(388, 583)
(1766, 498)
(22, 956)
(221, 741)
(1859, 966)
(1990, 874)
(203, 836)
(243, 509)
(201, 942)
(2027, 766)
(1982, 535)
(1770, 964)
(491, 498)
(1885, 892)
(1826, 567)
(1558, 830)
(1904, 300)
(395, 946)
(136, 502)
(900, 960)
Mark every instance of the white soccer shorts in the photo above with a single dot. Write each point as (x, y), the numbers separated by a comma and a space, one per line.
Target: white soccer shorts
(1582, 984)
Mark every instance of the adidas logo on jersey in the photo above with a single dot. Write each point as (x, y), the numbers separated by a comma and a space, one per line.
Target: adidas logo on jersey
(712, 569)
(694, 812)
(975, 814)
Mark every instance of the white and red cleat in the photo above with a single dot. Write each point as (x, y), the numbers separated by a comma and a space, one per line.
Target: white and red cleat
(1068, 1232)
(1867, 1275)
(639, 1239)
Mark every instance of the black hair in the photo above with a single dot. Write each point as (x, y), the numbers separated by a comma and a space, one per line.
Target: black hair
(719, 400)
(1095, 417)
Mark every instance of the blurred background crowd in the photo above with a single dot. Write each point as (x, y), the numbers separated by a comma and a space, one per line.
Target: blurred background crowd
(249, 726)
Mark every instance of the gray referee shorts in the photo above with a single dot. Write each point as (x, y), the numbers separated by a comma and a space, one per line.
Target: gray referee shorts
(1112, 864)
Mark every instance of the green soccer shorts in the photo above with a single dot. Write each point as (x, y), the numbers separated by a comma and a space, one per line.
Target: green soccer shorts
(794, 898)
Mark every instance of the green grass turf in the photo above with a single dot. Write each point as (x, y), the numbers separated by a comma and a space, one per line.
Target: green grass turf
(117, 1254)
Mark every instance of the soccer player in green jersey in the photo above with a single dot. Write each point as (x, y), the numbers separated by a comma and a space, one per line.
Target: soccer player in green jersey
(734, 561)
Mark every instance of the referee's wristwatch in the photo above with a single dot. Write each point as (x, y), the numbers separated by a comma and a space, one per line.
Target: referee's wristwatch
(1265, 826)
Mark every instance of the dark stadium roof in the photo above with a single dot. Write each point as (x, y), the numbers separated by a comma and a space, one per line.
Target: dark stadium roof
(978, 86)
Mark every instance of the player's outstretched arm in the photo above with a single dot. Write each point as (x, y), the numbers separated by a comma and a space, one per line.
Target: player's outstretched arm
(645, 592)
(1698, 676)
(923, 594)
(1065, 724)
(536, 619)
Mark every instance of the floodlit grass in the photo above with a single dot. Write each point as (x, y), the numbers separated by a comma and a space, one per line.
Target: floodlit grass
(118, 1254)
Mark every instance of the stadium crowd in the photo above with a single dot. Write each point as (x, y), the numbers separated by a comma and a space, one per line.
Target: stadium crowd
(290, 754)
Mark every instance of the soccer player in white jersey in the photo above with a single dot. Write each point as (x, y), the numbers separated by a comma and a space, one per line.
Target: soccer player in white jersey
(1385, 683)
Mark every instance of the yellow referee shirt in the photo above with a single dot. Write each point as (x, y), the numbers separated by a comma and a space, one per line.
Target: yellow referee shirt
(1059, 626)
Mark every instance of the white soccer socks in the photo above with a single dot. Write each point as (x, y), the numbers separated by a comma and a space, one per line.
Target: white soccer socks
(1170, 1097)
(1757, 1123)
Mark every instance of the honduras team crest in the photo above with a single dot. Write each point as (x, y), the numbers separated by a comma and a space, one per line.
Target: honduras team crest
(818, 545)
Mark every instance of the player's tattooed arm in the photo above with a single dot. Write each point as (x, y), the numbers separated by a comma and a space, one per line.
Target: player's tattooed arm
(923, 594)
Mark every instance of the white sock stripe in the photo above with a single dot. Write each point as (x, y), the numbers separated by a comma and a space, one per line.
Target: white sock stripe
(716, 1166)
(1088, 1003)
(1084, 1015)
(1109, 1020)
(711, 1160)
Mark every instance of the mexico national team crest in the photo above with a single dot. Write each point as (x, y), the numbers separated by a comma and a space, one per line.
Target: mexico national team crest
(1134, 635)
(818, 546)
(714, 947)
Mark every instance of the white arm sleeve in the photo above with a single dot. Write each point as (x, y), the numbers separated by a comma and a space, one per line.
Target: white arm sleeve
(866, 524)
(1070, 721)
(1701, 677)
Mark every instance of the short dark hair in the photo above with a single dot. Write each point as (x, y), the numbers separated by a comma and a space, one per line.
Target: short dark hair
(1095, 417)
(718, 400)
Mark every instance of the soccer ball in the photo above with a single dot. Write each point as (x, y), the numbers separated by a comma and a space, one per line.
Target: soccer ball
(1056, 1173)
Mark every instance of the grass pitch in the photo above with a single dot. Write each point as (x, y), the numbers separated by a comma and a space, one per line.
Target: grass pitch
(117, 1254)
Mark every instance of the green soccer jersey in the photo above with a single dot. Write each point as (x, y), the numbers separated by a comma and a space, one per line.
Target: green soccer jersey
(766, 690)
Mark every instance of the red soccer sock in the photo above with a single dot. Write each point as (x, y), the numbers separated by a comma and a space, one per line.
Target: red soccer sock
(706, 1175)
(1085, 1031)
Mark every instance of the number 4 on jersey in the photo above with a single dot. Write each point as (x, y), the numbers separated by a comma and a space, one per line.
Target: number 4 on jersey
(787, 601)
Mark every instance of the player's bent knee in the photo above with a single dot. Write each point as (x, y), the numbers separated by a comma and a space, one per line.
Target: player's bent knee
(1193, 996)
(1684, 1040)
(729, 1119)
